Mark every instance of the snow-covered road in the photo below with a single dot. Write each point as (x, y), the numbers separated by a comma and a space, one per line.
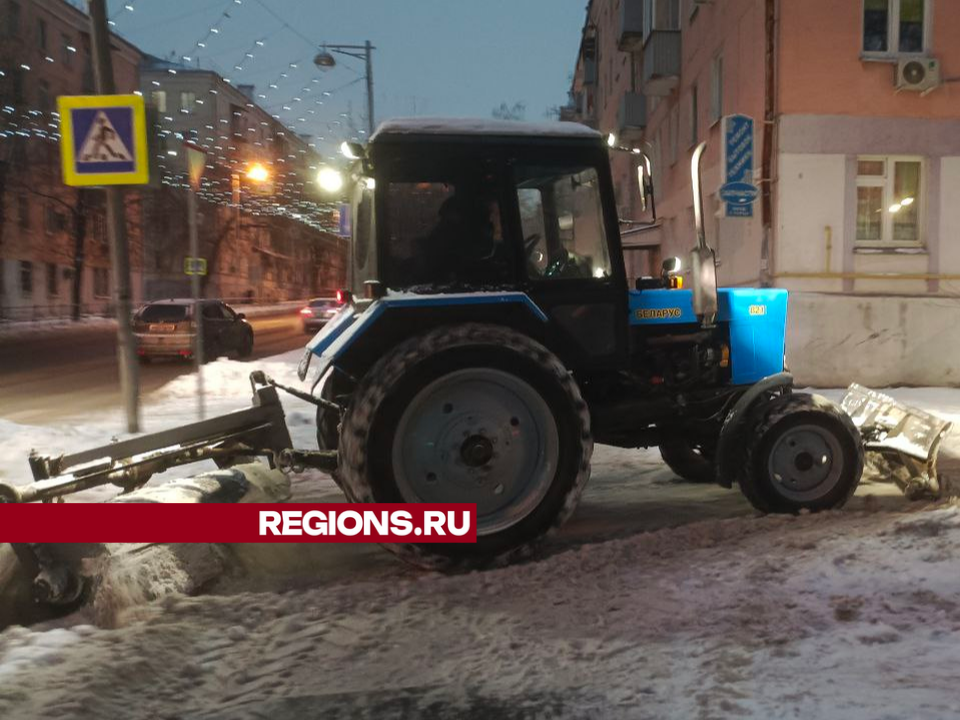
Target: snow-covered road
(659, 599)
(850, 615)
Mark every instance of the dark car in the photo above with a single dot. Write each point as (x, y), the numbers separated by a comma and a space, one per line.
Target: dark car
(317, 313)
(166, 328)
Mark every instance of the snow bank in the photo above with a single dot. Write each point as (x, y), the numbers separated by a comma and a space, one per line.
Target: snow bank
(227, 388)
(17, 329)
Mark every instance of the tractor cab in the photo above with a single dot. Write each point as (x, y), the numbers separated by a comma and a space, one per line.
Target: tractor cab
(495, 207)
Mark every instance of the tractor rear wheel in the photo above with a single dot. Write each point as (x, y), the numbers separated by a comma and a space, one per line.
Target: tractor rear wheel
(475, 414)
(689, 459)
(802, 453)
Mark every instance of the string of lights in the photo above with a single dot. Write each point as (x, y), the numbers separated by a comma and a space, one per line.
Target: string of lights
(42, 124)
(127, 7)
(212, 31)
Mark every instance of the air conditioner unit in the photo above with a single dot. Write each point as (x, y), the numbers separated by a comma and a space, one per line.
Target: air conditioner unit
(918, 74)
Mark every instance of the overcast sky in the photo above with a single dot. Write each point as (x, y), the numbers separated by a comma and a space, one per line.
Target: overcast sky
(433, 57)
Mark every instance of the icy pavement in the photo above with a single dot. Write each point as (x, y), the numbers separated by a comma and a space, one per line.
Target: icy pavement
(839, 615)
(716, 613)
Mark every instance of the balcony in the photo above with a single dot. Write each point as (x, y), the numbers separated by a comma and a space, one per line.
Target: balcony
(661, 62)
(630, 30)
(632, 115)
(589, 71)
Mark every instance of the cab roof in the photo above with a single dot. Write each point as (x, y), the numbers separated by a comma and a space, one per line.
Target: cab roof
(472, 128)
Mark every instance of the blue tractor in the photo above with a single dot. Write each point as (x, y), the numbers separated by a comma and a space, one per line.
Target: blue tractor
(488, 338)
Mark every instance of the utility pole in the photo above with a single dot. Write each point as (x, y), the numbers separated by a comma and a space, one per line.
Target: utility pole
(324, 60)
(368, 55)
(197, 303)
(116, 231)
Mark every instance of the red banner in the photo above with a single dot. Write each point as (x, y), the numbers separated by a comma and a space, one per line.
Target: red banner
(223, 523)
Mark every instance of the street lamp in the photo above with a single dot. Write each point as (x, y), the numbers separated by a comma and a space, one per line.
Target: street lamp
(325, 60)
(330, 180)
(257, 173)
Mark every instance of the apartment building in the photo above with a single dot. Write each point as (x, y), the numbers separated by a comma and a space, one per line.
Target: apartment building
(51, 234)
(856, 109)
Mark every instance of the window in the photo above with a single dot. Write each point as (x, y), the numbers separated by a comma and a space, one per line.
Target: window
(43, 96)
(562, 221)
(188, 102)
(52, 220)
(99, 230)
(18, 94)
(26, 278)
(12, 25)
(213, 311)
(53, 286)
(67, 50)
(660, 15)
(445, 232)
(694, 116)
(673, 133)
(895, 26)
(42, 34)
(160, 312)
(101, 283)
(23, 212)
(363, 233)
(889, 200)
(159, 100)
(236, 119)
(716, 89)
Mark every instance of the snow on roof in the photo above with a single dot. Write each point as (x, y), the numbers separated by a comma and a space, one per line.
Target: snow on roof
(482, 126)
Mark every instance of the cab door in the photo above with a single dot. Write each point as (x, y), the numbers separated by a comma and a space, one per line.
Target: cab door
(572, 264)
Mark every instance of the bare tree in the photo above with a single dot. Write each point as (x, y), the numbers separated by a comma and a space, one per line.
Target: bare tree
(517, 111)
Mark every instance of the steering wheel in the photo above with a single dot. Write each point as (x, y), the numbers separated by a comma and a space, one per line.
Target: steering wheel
(530, 243)
(560, 266)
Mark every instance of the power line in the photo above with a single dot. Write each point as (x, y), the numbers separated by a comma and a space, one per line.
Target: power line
(287, 25)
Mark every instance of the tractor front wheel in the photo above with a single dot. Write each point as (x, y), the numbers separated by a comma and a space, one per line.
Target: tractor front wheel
(470, 414)
(802, 453)
(689, 459)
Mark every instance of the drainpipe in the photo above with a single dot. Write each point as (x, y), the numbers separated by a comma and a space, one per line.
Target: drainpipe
(769, 120)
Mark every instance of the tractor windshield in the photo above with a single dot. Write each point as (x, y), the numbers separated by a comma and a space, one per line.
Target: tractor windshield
(562, 221)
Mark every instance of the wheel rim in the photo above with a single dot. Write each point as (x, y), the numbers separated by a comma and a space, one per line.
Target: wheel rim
(805, 463)
(480, 436)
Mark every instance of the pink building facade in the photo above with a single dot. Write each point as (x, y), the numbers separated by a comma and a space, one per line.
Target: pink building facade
(857, 147)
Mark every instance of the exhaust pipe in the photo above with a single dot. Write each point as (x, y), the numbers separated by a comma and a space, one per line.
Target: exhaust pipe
(703, 262)
(697, 185)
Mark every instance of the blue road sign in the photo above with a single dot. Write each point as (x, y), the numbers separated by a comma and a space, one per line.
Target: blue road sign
(738, 191)
(103, 139)
(343, 220)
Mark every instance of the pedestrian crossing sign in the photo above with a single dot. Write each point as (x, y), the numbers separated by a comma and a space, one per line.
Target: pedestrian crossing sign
(103, 139)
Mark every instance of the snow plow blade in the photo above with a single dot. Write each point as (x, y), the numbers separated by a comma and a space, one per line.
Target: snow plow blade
(902, 442)
(233, 441)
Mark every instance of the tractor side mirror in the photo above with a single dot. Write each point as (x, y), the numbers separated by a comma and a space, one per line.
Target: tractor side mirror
(645, 184)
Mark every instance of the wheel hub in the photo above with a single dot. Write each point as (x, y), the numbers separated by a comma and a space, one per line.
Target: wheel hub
(478, 435)
(805, 462)
(476, 451)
